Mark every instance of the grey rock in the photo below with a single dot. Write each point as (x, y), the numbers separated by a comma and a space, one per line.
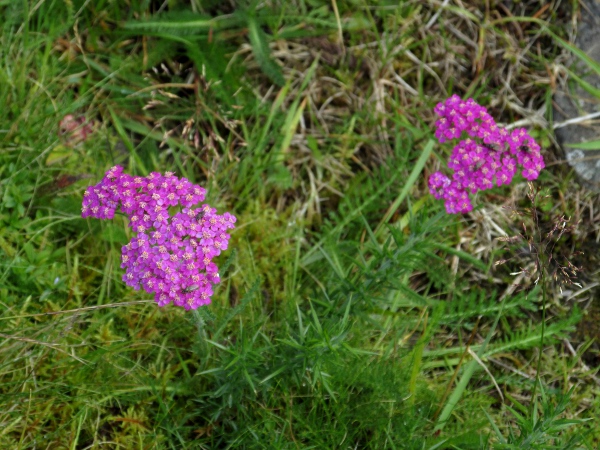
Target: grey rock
(573, 101)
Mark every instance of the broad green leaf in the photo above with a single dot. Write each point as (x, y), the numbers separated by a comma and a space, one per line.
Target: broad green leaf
(589, 145)
(186, 23)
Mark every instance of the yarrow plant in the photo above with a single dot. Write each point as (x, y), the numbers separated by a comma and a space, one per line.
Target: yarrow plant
(490, 155)
(170, 256)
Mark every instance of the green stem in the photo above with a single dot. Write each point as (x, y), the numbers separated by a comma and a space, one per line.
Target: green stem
(542, 269)
(539, 361)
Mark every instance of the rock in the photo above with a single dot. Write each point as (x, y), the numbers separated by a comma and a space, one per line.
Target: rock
(572, 101)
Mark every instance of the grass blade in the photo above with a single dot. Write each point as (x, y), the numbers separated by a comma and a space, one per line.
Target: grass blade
(412, 178)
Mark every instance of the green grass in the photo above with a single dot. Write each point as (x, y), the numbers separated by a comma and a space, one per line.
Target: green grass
(348, 298)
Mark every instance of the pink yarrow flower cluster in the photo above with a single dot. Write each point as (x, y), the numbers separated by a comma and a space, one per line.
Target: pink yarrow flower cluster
(488, 157)
(170, 256)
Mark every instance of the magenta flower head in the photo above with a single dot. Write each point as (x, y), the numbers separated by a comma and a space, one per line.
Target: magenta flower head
(488, 155)
(170, 256)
